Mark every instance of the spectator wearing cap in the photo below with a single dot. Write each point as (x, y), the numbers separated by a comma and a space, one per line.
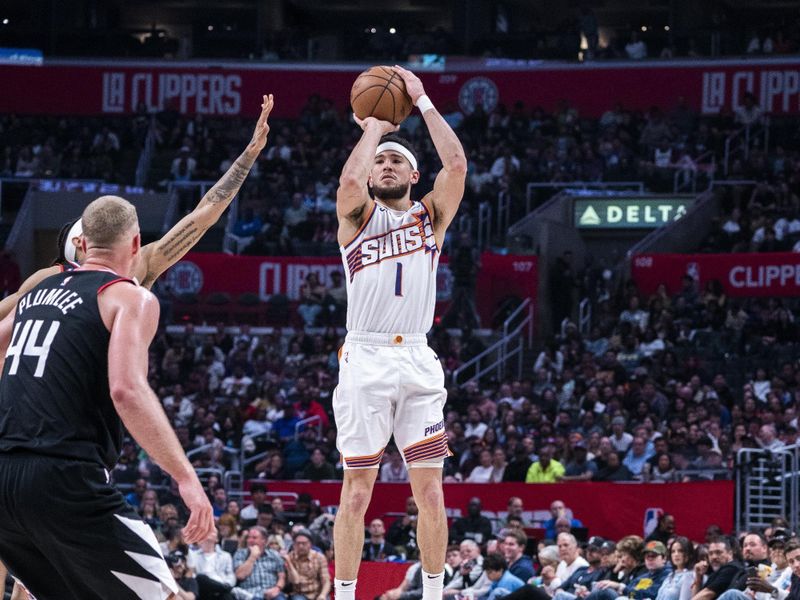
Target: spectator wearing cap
(558, 510)
(664, 531)
(648, 583)
(546, 469)
(260, 572)
(307, 569)
(678, 584)
(187, 585)
(627, 567)
(258, 496)
(721, 568)
(213, 569)
(580, 583)
(579, 468)
(474, 526)
(519, 564)
(780, 578)
(502, 580)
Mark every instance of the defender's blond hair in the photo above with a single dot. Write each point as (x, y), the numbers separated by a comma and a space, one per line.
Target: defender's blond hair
(107, 219)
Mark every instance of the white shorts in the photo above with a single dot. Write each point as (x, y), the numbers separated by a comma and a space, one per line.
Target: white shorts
(389, 384)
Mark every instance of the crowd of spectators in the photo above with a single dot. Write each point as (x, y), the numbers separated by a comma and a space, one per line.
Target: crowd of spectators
(288, 201)
(269, 548)
(72, 147)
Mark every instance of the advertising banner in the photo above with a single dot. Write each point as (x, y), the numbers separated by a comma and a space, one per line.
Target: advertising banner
(235, 89)
(610, 510)
(744, 275)
(628, 213)
(202, 273)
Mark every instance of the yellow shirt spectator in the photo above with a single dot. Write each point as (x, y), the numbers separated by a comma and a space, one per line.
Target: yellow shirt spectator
(552, 473)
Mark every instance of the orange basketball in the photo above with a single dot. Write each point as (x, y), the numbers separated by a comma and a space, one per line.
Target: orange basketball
(381, 93)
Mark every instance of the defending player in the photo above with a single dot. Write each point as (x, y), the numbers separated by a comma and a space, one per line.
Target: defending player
(160, 255)
(390, 381)
(75, 369)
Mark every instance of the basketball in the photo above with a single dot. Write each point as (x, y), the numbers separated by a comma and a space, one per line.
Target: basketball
(381, 93)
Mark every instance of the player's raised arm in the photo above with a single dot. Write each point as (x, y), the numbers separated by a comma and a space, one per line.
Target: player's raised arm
(162, 254)
(448, 188)
(352, 195)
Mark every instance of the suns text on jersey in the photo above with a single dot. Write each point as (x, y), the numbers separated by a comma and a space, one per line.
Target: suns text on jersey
(397, 242)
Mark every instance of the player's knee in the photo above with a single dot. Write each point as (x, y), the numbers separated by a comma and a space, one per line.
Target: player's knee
(356, 498)
(429, 496)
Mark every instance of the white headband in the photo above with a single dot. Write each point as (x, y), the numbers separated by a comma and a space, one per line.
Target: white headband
(69, 248)
(400, 149)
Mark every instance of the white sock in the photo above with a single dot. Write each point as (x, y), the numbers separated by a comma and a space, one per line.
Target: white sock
(432, 585)
(345, 590)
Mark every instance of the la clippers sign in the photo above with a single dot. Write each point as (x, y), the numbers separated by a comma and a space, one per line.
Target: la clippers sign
(762, 274)
(235, 89)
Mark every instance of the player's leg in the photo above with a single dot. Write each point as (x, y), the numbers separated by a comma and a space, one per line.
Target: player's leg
(419, 432)
(92, 538)
(426, 485)
(348, 528)
(363, 410)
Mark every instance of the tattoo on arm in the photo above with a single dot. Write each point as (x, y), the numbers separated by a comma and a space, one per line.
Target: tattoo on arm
(177, 244)
(225, 189)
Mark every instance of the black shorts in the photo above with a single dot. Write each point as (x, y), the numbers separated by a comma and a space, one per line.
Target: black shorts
(67, 534)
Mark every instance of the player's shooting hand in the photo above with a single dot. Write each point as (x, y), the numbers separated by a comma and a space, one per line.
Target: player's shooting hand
(413, 83)
(201, 519)
(384, 126)
(259, 139)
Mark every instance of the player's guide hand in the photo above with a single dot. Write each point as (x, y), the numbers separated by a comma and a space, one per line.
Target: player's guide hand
(201, 519)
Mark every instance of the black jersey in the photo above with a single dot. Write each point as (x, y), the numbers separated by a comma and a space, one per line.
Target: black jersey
(54, 396)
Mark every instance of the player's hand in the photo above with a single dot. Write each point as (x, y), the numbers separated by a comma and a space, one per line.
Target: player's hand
(259, 139)
(201, 519)
(384, 126)
(413, 83)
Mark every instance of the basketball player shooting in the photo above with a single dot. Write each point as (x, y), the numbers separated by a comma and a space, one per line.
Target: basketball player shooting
(390, 381)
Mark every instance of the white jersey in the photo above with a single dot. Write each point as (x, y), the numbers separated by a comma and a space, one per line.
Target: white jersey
(390, 267)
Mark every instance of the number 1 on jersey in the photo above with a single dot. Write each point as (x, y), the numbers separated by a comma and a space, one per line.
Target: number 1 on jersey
(398, 280)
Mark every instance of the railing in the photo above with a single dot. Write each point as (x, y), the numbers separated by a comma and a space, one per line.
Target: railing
(687, 175)
(484, 224)
(740, 142)
(210, 448)
(636, 186)
(585, 317)
(767, 486)
(503, 213)
(302, 423)
(511, 345)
